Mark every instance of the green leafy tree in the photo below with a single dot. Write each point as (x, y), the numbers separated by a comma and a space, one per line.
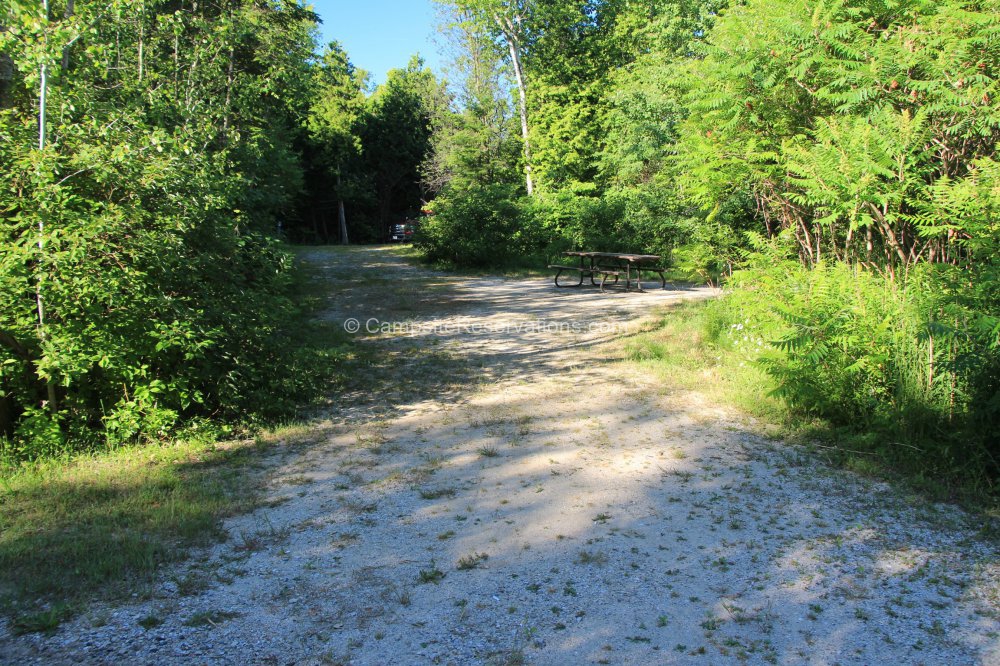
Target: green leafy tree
(643, 101)
(339, 98)
(847, 122)
(508, 22)
(138, 220)
(478, 144)
(395, 133)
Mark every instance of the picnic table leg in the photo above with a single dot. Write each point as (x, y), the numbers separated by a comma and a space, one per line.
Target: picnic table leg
(559, 272)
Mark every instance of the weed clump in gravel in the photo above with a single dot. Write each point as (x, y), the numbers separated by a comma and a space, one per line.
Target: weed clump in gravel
(432, 575)
(472, 561)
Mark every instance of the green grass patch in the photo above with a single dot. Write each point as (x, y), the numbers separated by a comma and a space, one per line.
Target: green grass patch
(150, 622)
(101, 525)
(431, 575)
(472, 561)
(681, 354)
(43, 622)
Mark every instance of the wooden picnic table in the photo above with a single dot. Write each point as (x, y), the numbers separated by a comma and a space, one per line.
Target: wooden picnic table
(611, 264)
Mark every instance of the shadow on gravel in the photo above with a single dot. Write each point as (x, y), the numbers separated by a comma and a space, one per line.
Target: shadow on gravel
(422, 334)
(522, 527)
(483, 493)
(595, 523)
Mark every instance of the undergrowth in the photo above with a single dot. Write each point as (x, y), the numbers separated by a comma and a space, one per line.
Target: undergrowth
(736, 355)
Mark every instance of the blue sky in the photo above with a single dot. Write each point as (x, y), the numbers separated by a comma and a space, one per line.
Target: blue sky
(380, 35)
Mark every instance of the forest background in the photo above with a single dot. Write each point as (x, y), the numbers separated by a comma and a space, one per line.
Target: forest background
(832, 163)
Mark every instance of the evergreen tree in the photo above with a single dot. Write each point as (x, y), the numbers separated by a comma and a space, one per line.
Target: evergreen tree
(338, 92)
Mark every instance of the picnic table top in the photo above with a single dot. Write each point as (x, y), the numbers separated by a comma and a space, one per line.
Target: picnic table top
(633, 258)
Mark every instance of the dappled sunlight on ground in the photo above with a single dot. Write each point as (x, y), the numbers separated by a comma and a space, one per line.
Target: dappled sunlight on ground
(530, 501)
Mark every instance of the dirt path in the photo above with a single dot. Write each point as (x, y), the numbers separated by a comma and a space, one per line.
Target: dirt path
(496, 489)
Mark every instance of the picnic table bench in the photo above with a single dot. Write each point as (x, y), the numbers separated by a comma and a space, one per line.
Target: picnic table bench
(608, 265)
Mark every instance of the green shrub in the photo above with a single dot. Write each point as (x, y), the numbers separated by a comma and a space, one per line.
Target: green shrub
(482, 227)
(641, 220)
(140, 285)
(913, 363)
(493, 226)
(712, 246)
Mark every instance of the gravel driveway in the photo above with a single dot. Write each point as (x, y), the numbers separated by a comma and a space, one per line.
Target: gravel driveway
(496, 488)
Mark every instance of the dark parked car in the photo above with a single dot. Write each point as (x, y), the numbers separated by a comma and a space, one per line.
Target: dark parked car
(402, 233)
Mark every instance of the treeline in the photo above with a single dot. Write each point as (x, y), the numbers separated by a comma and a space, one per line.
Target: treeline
(567, 112)
(364, 149)
(147, 153)
(154, 157)
(834, 162)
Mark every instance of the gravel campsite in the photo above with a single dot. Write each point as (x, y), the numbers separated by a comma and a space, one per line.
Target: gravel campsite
(514, 492)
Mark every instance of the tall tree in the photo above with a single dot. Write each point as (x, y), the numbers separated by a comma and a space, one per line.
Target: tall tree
(569, 61)
(508, 21)
(862, 129)
(642, 102)
(167, 153)
(477, 144)
(395, 134)
(338, 94)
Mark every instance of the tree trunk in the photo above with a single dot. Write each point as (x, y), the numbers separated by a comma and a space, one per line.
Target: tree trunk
(43, 86)
(65, 54)
(340, 214)
(142, 33)
(522, 97)
(6, 77)
(12, 344)
(229, 95)
(6, 416)
(343, 222)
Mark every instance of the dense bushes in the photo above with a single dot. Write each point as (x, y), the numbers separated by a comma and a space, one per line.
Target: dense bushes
(493, 226)
(854, 143)
(866, 136)
(911, 366)
(481, 226)
(139, 283)
(626, 220)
